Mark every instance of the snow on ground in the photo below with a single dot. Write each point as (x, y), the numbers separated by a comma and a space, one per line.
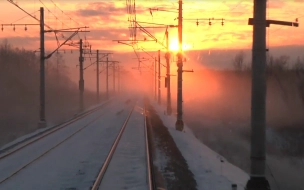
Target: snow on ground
(73, 164)
(127, 169)
(211, 170)
(42, 130)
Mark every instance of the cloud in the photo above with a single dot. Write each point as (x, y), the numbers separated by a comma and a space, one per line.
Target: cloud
(101, 9)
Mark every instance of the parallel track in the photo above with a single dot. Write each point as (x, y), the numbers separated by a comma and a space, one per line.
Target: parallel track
(47, 151)
(18, 146)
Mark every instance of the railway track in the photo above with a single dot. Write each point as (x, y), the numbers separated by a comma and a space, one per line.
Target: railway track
(122, 157)
(110, 131)
(28, 141)
(43, 153)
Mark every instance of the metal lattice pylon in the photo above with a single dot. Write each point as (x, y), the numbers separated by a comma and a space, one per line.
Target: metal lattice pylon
(131, 9)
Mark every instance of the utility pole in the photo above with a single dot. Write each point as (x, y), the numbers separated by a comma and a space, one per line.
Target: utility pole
(258, 99)
(81, 81)
(97, 74)
(179, 125)
(257, 179)
(42, 122)
(159, 84)
(107, 77)
(169, 107)
(114, 77)
(118, 73)
(155, 79)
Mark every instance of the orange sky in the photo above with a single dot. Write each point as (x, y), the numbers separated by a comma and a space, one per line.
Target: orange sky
(108, 21)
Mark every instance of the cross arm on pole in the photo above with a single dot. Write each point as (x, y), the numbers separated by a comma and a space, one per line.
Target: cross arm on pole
(276, 22)
(20, 24)
(189, 71)
(75, 32)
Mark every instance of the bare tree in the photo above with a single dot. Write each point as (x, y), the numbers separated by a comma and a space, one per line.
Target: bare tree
(299, 65)
(238, 61)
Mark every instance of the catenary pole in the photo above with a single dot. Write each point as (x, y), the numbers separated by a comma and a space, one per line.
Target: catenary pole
(81, 81)
(179, 125)
(114, 77)
(169, 107)
(42, 122)
(257, 179)
(107, 77)
(97, 75)
(159, 79)
(155, 79)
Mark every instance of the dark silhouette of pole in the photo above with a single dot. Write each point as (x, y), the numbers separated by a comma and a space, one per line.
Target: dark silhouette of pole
(159, 79)
(42, 122)
(169, 107)
(113, 77)
(81, 81)
(97, 75)
(107, 77)
(257, 179)
(155, 79)
(118, 77)
(179, 125)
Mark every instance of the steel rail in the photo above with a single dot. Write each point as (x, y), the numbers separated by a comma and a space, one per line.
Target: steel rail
(10, 150)
(50, 149)
(110, 155)
(151, 184)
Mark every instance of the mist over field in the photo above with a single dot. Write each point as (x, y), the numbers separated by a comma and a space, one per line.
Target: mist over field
(217, 107)
(216, 100)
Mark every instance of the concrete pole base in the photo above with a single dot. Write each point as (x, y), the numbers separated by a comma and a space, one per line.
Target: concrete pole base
(257, 183)
(179, 125)
(42, 124)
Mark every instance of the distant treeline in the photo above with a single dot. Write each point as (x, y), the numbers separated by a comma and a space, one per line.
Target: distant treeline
(19, 97)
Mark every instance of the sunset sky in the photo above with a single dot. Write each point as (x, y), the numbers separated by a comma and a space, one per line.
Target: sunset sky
(108, 21)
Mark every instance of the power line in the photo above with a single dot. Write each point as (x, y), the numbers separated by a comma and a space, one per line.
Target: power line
(53, 14)
(64, 12)
(25, 16)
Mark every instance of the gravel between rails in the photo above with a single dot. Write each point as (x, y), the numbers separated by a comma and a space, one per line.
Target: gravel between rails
(172, 172)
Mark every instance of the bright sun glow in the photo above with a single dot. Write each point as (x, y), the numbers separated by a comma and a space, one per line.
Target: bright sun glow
(173, 46)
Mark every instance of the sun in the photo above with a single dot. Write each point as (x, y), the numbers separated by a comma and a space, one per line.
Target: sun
(173, 46)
